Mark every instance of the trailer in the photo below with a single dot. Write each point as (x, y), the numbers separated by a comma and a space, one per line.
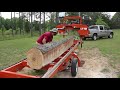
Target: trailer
(69, 58)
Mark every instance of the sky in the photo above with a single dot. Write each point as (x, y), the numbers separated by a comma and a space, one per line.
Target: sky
(8, 14)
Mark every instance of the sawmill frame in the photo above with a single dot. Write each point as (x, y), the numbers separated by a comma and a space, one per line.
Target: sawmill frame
(59, 64)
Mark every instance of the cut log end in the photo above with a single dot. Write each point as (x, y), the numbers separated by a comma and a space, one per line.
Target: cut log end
(34, 58)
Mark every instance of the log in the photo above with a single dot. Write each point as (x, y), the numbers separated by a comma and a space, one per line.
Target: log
(41, 55)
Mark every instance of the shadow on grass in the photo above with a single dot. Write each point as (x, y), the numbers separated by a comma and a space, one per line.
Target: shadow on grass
(89, 39)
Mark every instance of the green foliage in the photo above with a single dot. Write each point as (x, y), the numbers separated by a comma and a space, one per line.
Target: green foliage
(89, 18)
(116, 20)
(72, 13)
(9, 32)
(7, 24)
(100, 21)
(36, 25)
(0, 31)
(27, 26)
(17, 31)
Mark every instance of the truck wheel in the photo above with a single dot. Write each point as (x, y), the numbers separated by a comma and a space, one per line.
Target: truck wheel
(74, 67)
(111, 35)
(94, 37)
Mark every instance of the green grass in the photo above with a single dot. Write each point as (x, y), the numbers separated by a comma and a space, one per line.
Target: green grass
(12, 51)
(108, 47)
(17, 36)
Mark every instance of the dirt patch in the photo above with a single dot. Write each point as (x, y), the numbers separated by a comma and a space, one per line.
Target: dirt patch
(96, 66)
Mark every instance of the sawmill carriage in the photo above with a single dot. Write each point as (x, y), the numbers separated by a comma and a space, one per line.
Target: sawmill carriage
(70, 23)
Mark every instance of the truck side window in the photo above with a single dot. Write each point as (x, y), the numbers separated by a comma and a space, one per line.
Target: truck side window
(101, 27)
(106, 28)
(93, 27)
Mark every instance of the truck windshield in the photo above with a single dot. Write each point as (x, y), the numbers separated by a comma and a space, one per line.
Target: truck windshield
(93, 27)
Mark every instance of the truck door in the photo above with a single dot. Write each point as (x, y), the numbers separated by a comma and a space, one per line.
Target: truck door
(106, 31)
(102, 32)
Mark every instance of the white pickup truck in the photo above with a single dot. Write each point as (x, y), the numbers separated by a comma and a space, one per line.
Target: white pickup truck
(99, 31)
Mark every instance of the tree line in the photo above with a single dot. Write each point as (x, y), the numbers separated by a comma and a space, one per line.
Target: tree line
(29, 22)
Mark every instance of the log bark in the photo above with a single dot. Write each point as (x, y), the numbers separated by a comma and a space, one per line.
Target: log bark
(42, 55)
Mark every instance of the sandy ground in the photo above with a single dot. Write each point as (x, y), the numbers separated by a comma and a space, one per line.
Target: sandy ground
(95, 66)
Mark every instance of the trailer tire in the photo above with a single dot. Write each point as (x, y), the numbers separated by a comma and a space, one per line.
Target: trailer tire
(74, 67)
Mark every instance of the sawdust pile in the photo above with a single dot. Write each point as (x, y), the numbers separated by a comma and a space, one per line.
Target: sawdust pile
(26, 70)
(96, 66)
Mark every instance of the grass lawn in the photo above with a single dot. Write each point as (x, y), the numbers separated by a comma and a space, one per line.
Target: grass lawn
(12, 51)
(108, 47)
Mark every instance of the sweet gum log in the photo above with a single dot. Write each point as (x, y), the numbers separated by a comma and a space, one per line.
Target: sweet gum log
(40, 56)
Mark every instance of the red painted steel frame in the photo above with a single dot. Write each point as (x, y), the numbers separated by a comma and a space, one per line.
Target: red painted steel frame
(82, 29)
(10, 72)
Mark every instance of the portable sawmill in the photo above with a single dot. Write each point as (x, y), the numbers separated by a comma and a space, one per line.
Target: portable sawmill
(52, 57)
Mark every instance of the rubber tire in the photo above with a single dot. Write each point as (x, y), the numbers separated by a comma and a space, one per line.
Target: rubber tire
(94, 37)
(74, 66)
(110, 36)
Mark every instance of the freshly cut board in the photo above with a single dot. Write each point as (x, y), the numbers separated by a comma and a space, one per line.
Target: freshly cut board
(41, 55)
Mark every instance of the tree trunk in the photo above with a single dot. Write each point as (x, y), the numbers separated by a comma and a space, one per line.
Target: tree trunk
(23, 22)
(44, 22)
(34, 21)
(42, 55)
(2, 30)
(51, 20)
(19, 23)
(79, 13)
(15, 24)
(31, 26)
(29, 23)
(34, 16)
(0, 20)
(57, 13)
(1, 26)
(12, 24)
(40, 30)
